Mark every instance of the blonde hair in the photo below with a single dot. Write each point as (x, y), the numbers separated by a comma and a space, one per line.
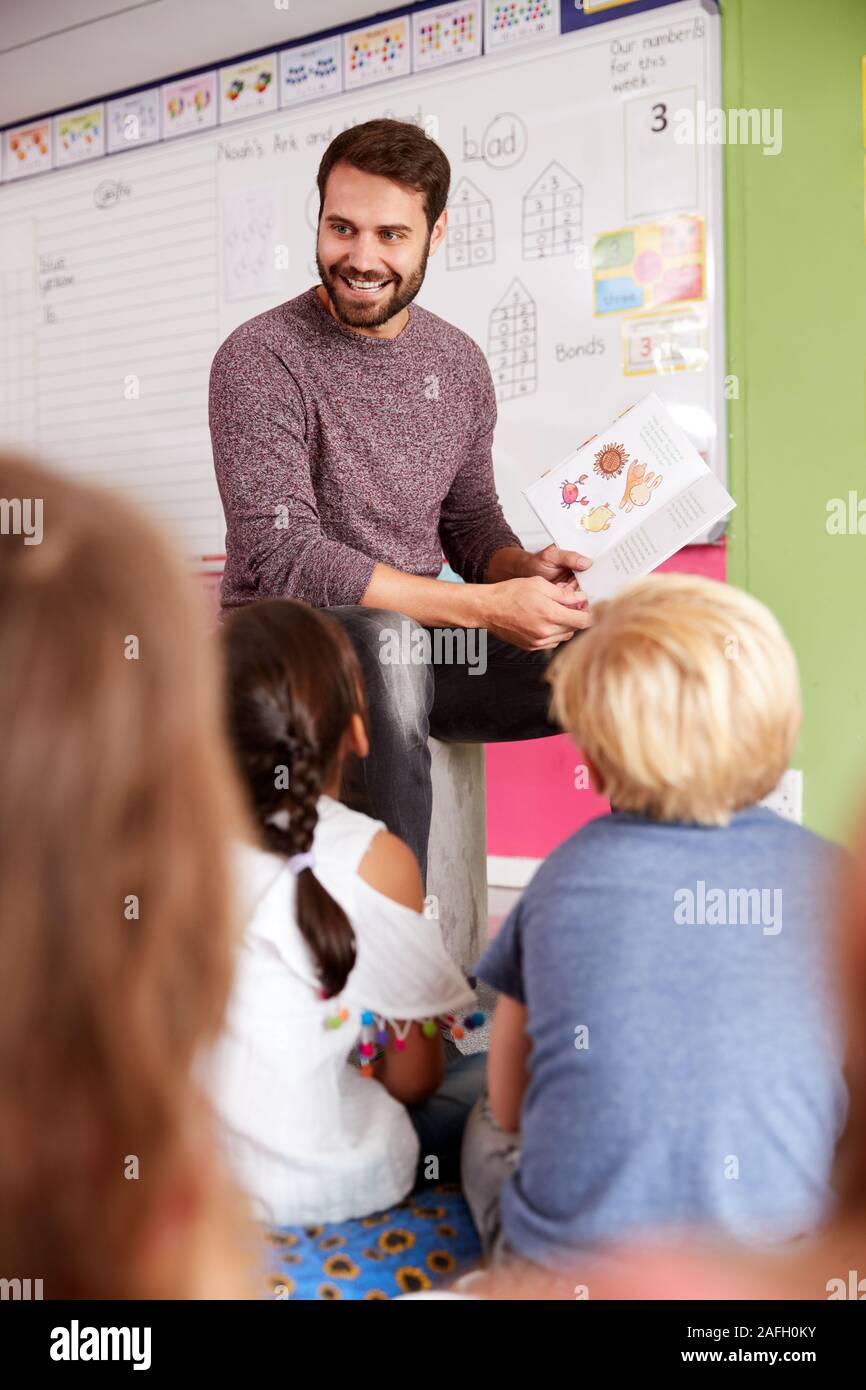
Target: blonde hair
(118, 802)
(683, 695)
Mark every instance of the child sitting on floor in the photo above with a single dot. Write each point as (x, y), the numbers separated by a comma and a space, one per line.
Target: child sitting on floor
(665, 1042)
(337, 955)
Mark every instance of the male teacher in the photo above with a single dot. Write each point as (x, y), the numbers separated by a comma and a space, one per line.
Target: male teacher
(352, 435)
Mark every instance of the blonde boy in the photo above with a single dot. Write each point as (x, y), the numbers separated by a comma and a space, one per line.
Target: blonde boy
(664, 1051)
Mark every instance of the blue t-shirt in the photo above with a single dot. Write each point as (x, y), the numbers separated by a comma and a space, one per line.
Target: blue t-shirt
(686, 1053)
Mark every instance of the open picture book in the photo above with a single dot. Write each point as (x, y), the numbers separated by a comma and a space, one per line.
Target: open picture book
(629, 497)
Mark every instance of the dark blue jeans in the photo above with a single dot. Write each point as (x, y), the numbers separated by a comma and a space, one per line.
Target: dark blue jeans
(440, 1121)
(450, 698)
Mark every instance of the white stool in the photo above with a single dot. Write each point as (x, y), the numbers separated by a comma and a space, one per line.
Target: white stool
(457, 850)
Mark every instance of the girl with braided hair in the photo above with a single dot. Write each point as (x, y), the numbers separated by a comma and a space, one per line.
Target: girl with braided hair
(337, 953)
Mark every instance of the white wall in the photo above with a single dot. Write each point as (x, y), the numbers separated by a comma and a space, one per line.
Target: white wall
(56, 53)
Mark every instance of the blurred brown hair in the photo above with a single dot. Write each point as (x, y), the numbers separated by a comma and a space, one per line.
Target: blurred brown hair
(394, 150)
(851, 947)
(116, 789)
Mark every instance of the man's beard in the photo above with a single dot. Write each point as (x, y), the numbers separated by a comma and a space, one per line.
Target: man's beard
(395, 296)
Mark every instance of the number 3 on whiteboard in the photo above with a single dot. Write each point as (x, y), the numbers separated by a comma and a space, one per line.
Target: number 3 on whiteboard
(661, 173)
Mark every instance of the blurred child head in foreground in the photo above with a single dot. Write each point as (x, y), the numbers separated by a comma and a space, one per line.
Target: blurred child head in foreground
(684, 698)
(117, 804)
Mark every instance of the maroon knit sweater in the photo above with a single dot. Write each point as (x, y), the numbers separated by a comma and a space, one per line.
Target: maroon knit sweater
(334, 450)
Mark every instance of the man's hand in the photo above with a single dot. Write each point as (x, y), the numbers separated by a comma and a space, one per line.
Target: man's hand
(513, 562)
(554, 564)
(534, 613)
(532, 598)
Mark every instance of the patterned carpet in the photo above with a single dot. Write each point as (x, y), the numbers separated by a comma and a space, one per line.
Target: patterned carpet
(421, 1244)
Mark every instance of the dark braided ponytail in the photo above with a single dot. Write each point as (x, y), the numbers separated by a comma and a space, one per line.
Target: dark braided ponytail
(294, 683)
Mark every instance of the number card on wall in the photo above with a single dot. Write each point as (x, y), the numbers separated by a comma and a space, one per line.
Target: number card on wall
(188, 105)
(376, 53)
(133, 120)
(314, 71)
(79, 135)
(248, 89)
(509, 22)
(661, 171)
(446, 34)
(662, 343)
(27, 150)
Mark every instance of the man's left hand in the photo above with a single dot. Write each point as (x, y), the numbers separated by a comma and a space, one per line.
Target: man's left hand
(555, 564)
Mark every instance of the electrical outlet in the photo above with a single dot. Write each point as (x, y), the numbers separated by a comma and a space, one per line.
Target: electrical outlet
(786, 799)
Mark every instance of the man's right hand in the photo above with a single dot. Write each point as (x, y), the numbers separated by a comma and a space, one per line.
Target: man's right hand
(534, 613)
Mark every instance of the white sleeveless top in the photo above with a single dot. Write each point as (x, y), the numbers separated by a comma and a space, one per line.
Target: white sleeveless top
(307, 1137)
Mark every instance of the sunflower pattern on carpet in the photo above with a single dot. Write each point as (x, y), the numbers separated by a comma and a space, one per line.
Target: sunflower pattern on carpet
(420, 1244)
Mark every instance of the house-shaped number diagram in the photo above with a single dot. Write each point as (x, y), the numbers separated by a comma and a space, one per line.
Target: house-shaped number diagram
(470, 240)
(552, 223)
(512, 351)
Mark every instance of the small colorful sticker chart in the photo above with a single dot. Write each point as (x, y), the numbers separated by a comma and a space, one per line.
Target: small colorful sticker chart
(79, 135)
(190, 104)
(446, 34)
(133, 120)
(552, 222)
(314, 71)
(27, 150)
(377, 52)
(470, 240)
(516, 21)
(651, 263)
(512, 344)
(248, 89)
(661, 343)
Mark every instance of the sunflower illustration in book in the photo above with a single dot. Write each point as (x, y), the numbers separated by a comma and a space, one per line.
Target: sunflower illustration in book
(610, 460)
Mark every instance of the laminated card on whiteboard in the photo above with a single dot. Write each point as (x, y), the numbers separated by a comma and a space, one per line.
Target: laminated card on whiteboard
(629, 497)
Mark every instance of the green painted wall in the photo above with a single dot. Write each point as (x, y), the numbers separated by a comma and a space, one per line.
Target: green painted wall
(796, 316)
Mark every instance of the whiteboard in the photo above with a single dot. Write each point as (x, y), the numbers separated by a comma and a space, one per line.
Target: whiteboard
(584, 255)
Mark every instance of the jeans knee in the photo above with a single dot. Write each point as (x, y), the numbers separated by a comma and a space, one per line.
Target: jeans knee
(398, 678)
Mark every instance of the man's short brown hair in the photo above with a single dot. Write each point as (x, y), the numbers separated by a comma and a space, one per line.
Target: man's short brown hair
(394, 150)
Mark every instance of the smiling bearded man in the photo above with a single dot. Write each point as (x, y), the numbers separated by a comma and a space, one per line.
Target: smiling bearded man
(352, 434)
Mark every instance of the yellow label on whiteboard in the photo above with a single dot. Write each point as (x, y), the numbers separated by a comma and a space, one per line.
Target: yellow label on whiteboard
(660, 342)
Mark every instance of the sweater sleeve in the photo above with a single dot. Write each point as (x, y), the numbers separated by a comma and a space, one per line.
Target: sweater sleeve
(472, 526)
(259, 436)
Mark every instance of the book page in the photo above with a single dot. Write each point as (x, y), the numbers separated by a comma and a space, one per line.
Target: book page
(602, 500)
(660, 536)
(614, 481)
